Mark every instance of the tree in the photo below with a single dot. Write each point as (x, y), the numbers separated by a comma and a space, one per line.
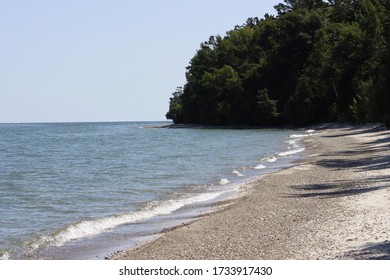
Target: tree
(315, 61)
(266, 112)
(221, 89)
(291, 5)
(175, 106)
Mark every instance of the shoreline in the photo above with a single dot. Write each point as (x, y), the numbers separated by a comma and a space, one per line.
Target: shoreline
(333, 204)
(96, 238)
(238, 127)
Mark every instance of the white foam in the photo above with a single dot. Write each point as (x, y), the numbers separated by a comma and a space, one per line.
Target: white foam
(259, 166)
(309, 132)
(291, 142)
(271, 159)
(224, 181)
(299, 135)
(291, 152)
(235, 172)
(4, 256)
(97, 226)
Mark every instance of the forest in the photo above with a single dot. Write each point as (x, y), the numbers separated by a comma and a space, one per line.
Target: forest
(313, 61)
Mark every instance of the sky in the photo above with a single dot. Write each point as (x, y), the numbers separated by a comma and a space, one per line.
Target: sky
(104, 60)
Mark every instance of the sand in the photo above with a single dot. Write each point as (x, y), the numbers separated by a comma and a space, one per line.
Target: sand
(333, 204)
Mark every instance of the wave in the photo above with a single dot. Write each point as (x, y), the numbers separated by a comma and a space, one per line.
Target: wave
(259, 166)
(270, 159)
(298, 135)
(293, 148)
(309, 132)
(88, 228)
(237, 173)
(291, 152)
(224, 181)
(292, 142)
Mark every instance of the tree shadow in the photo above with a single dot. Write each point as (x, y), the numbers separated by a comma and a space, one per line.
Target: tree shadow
(332, 190)
(360, 158)
(370, 155)
(385, 140)
(358, 130)
(363, 164)
(381, 143)
(378, 251)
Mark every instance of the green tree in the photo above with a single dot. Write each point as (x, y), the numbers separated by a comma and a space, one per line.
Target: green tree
(315, 61)
(221, 90)
(266, 112)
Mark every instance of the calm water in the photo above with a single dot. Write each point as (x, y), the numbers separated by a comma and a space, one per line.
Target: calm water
(67, 188)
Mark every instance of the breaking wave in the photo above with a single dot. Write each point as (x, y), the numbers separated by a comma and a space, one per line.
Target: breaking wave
(291, 152)
(237, 173)
(224, 181)
(259, 166)
(88, 228)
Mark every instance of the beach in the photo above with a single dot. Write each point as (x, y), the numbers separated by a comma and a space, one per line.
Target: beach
(334, 203)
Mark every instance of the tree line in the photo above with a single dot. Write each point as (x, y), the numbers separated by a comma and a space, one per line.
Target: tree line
(314, 61)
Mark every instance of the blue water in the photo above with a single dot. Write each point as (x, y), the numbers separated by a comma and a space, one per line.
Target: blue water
(67, 186)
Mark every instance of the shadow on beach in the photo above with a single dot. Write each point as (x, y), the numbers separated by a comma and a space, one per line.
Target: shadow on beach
(377, 251)
(338, 188)
(364, 157)
(333, 190)
(348, 130)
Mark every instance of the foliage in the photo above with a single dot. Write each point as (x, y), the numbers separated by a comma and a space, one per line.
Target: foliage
(314, 61)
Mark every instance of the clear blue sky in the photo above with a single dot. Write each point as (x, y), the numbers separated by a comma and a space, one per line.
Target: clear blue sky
(104, 60)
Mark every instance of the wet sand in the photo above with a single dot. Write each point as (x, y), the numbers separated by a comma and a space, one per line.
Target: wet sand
(333, 204)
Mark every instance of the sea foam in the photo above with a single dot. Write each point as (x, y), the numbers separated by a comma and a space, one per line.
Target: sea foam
(88, 228)
(224, 181)
(237, 173)
(259, 166)
(291, 152)
(309, 132)
(270, 159)
(299, 135)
